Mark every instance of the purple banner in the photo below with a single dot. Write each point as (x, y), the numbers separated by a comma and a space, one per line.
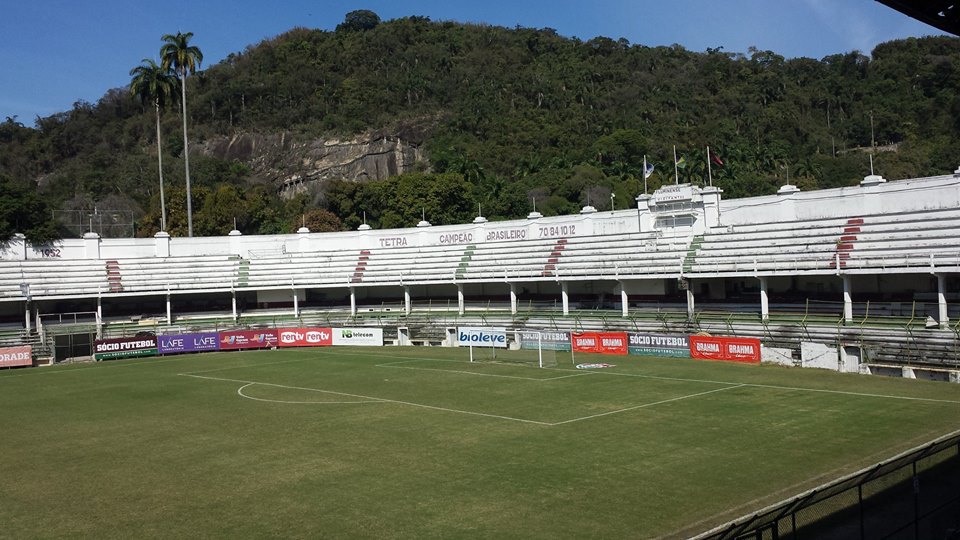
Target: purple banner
(181, 343)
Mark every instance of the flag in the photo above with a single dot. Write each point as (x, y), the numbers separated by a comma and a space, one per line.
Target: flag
(716, 159)
(682, 162)
(648, 171)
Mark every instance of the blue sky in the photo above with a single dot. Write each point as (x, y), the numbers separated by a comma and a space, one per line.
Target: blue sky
(56, 52)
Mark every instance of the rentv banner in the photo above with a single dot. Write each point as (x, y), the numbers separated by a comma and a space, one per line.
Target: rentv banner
(600, 342)
(16, 356)
(659, 345)
(106, 349)
(368, 337)
(481, 337)
(725, 348)
(305, 337)
(248, 339)
(183, 343)
(557, 341)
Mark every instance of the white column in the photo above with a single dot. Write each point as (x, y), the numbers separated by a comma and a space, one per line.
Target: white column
(26, 317)
(460, 302)
(99, 316)
(690, 303)
(847, 301)
(406, 300)
(764, 300)
(233, 304)
(353, 301)
(296, 303)
(513, 298)
(169, 318)
(565, 297)
(624, 301)
(942, 301)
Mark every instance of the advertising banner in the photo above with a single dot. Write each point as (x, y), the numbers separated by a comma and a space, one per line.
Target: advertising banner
(675, 346)
(16, 356)
(548, 340)
(481, 337)
(725, 348)
(107, 349)
(305, 337)
(600, 342)
(367, 337)
(183, 343)
(248, 339)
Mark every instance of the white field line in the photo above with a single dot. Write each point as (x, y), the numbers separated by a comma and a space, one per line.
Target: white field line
(776, 387)
(241, 394)
(535, 379)
(246, 366)
(646, 405)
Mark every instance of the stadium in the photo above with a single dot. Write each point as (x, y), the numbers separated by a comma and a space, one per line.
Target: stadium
(857, 281)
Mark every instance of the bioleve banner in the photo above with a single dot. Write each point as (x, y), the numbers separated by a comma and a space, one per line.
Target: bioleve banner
(659, 345)
(368, 337)
(183, 343)
(106, 349)
(248, 339)
(305, 337)
(468, 336)
(600, 342)
(725, 348)
(16, 356)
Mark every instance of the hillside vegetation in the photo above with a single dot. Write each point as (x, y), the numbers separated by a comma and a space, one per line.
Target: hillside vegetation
(504, 116)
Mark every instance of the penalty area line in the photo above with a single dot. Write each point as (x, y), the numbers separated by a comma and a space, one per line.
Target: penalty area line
(396, 365)
(645, 405)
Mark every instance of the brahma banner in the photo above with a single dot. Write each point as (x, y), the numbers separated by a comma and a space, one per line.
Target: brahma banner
(248, 339)
(725, 348)
(600, 342)
(305, 337)
(106, 349)
(184, 343)
(469, 336)
(367, 337)
(16, 356)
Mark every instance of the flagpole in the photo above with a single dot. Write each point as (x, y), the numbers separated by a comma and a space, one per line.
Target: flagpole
(676, 170)
(644, 174)
(709, 168)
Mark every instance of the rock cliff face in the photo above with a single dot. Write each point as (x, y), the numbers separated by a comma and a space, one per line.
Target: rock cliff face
(294, 166)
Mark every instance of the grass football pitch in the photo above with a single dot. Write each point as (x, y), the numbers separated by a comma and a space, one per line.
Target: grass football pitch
(416, 443)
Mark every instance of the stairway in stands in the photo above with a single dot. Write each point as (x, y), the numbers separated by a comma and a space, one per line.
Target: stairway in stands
(691, 255)
(550, 268)
(361, 266)
(113, 276)
(243, 272)
(465, 261)
(845, 242)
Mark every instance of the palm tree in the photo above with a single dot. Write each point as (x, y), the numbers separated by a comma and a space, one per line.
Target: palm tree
(153, 83)
(177, 54)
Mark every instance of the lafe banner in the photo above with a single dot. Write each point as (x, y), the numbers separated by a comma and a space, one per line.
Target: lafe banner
(16, 356)
(468, 336)
(725, 348)
(183, 343)
(600, 342)
(305, 337)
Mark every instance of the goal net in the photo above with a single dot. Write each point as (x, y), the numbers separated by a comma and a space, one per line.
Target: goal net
(520, 347)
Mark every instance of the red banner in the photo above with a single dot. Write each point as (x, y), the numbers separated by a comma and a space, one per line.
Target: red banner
(248, 339)
(600, 342)
(725, 348)
(16, 356)
(305, 337)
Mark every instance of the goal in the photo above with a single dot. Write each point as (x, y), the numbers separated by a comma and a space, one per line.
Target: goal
(527, 348)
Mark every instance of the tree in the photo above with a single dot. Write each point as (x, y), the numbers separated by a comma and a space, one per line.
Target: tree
(177, 54)
(359, 20)
(153, 83)
(23, 210)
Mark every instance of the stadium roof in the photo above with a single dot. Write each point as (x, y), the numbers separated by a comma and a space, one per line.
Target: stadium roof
(942, 14)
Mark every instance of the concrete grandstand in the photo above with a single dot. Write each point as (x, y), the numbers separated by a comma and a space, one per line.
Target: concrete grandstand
(868, 271)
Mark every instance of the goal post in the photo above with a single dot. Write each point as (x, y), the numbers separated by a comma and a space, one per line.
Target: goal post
(522, 347)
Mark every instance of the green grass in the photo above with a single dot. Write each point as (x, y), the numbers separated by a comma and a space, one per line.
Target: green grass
(409, 443)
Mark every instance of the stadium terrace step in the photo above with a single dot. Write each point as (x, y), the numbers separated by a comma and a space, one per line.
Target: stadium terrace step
(361, 266)
(113, 276)
(553, 259)
(243, 273)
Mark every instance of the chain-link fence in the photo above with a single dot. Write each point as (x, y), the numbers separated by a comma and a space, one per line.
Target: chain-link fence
(915, 495)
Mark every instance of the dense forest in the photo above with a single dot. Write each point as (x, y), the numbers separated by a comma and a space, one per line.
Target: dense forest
(505, 116)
